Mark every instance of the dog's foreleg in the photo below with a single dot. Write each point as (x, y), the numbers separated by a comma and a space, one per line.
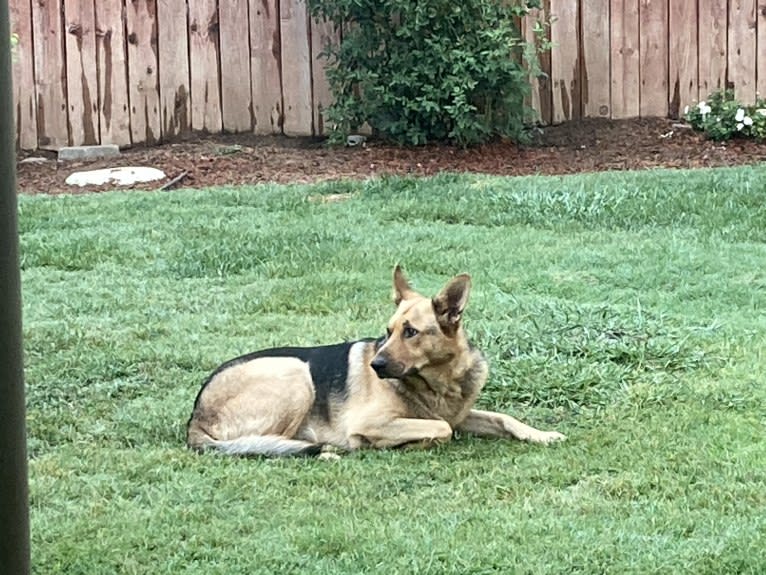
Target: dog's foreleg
(491, 424)
(405, 431)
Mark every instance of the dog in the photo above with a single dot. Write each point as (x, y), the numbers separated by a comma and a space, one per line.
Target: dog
(413, 387)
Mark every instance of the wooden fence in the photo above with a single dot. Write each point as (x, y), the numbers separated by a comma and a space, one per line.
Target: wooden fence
(140, 71)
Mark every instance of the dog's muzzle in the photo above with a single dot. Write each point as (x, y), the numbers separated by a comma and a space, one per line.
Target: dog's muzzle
(380, 366)
(386, 369)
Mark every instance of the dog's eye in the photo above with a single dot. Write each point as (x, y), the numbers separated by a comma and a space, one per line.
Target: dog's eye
(410, 331)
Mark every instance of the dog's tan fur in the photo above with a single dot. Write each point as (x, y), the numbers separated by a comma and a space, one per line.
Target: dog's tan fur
(413, 388)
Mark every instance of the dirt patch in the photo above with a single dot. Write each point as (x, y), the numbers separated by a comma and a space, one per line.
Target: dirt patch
(584, 146)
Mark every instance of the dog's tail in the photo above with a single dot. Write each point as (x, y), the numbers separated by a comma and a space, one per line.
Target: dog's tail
(267, 445)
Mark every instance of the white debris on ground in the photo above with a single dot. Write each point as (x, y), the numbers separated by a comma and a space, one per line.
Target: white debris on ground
(34, 160)
(120, 176)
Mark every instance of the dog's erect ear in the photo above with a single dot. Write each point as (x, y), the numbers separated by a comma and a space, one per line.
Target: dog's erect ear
(402, 289)
(451, 301)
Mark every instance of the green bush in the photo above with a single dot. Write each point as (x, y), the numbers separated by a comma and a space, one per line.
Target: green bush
(429, 70)
(723, 117)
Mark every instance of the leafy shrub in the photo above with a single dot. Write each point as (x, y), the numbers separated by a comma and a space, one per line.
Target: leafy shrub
(723, 117)
(429, 70)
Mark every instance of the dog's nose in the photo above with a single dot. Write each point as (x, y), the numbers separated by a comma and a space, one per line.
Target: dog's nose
(378, 364)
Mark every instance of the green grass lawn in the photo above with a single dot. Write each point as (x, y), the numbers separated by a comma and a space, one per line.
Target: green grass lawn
(625, 310)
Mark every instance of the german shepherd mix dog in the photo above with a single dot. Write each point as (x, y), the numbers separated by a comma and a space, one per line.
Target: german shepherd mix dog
(415, 386)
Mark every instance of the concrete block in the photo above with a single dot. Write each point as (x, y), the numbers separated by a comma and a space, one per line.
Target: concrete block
(71, 153)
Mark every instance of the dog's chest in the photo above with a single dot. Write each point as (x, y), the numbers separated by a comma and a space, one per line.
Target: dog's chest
(449, 400)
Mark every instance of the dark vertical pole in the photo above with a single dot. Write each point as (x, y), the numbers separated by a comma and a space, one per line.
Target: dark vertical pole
(14, 500)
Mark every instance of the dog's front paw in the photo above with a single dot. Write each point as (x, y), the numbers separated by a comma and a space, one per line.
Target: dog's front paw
(330, 453)
(328, 456)
(546, 437)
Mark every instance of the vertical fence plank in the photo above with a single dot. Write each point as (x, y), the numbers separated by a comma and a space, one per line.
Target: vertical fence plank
(625, 62)
(296, 68)
(235, 67)
(712, 36)
(24, 104)
(742, 49)
(203, 53)
(653, 55)
(541, 98)
(265, 66)
(50, 73)
(114, 111)
(143, 79)
(174, 67)
(565, 61)
(683, 56)
(323, 33)
(596, 84)
(760, 66)
(82, 75)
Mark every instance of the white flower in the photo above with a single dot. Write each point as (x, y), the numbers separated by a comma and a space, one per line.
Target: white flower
(701, 104)
(740, 126)
(747, 120)
(761, 111)
(686, 110)
(740, 115)
(704, 109)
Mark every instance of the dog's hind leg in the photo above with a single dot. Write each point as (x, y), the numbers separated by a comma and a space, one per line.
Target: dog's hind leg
(255, 408)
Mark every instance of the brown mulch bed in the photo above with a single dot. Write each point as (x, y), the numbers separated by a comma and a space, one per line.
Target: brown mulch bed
(583, 146)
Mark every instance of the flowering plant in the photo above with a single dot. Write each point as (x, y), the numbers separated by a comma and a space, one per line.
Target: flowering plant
(722, 117)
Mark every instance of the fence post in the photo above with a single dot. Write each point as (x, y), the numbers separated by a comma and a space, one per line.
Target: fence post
(14, 498)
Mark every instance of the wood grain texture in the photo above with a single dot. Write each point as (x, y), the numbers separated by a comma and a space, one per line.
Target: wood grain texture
(111, 58)
(682, 48)
(236, 81)
(50, 74)
(541, 97)
(595, 72)
(742, 36)
(265, 66)
(296, 68)
(712, 38)
(323, 33)
(760, 66)
(143, 77)
(625, 61)
(565, 61)
(82, 73)
(204, 67)
(653, 55)
(175, 102)
(22, 69)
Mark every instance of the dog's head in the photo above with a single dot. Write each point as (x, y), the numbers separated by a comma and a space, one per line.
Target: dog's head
(424, 332)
